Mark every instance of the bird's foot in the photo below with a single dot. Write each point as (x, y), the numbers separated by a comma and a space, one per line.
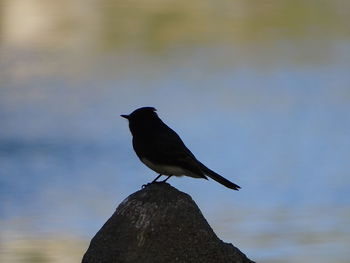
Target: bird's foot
(154, 182)
(145, 185)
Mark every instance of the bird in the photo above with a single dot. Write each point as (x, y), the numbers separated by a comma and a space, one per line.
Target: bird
(161, 149)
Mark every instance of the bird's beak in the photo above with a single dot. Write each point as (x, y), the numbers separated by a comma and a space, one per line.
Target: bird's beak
(125, 116)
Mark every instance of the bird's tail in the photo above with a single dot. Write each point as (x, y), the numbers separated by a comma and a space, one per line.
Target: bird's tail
(213, 175)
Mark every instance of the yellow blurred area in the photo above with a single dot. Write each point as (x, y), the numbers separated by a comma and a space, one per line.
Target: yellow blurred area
(156, 24)
(38, 250)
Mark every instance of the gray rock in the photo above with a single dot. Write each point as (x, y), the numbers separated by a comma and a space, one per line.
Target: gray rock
(159, 224)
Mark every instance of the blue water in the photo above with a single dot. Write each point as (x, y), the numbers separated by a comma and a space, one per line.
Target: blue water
(281, 133)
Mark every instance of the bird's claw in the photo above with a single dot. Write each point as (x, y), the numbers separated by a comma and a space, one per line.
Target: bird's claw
(145, 185)
(154, 182)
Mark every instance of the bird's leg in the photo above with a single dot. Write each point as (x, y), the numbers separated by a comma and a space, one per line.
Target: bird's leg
(167, 178)
(155, 180)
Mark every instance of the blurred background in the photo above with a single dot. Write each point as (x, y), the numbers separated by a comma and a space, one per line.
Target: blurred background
(258, 90)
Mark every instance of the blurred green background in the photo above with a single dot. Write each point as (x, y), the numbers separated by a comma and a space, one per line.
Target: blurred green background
(258, 90)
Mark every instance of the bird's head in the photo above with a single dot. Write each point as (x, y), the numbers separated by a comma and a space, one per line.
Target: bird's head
(139, 114)
(142, 120)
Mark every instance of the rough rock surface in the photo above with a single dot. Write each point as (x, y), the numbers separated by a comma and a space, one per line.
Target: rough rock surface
(159, 224)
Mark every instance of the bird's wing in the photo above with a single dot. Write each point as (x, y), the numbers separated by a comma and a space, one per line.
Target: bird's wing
(167, 148)
(186, 158)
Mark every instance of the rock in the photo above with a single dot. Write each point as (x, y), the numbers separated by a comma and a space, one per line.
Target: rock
(159, 224)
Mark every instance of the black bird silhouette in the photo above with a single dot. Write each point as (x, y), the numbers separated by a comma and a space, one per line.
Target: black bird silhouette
(162, 150)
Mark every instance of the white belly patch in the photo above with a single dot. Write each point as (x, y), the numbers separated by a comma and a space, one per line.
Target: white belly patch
(165, 169)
